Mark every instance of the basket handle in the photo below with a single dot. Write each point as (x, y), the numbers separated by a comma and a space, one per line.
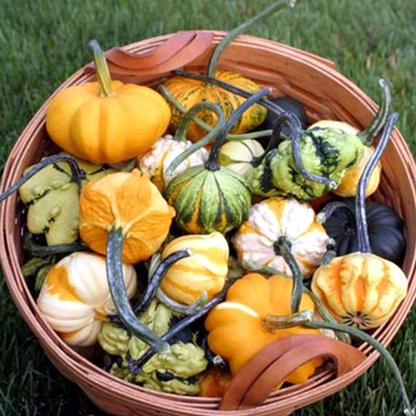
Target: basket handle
(177, 51)
(273, 364)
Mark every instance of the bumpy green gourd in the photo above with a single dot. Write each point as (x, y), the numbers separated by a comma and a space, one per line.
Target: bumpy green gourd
(171, 372)
(324, 152)
(51, 196)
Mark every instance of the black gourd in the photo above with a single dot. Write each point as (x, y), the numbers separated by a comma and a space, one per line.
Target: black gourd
(385, 229)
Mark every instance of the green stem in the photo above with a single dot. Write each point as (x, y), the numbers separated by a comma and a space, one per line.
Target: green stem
(119, 293)
(135, 367)
(275, 7)
(377, 346)
(76, 173)
(252, 135)
(156, 278)
(183, 126)
(270, 105)
(178, 307)
(39, 250)
(360, 199)
(368, 135)
(212, 163)
(101, 69)
(274, 322)
(282, 247)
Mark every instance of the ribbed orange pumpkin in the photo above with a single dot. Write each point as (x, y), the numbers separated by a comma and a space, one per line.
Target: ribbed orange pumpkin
(128, 200)
(106, 121)
(189, 92)
(360, 289)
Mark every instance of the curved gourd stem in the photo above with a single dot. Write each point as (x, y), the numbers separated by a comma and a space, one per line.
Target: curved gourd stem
(178, 307)
(77, 174)
(119, 293)
(172, 100)
(212, 163)
(296, 136)
(330, 208)
(368, 135)
(282, 248)
(273, 8)
(273, 322)
(270, 105)
(136, 366)
(362, 336)
(360, 210)
(101, 69)
(156, 278)
(39, 250)
(183, 126)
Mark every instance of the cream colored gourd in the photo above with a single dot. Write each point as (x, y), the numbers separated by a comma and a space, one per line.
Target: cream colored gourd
(75, 298)
(256, 239)
(157, 160)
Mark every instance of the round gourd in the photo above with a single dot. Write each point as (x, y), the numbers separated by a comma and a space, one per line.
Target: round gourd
(106, 121)
(75, 299)
(210, 197)
(131, 202)
(189, 92)
(256, 239)
(205, 270)
(238, 155)
(238, 329)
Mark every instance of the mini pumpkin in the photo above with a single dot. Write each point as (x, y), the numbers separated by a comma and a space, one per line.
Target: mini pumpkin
(106, 121)
(256, 239)
(75, 299)
(129, 201)
(237, 328)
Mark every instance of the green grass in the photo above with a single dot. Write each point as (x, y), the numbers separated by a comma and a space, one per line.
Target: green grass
(43, 42)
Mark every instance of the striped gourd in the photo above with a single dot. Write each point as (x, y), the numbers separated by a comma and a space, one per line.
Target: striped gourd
(209, 200)
(189, 92)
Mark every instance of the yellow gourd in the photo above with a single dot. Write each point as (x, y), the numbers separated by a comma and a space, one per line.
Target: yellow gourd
(205, 270)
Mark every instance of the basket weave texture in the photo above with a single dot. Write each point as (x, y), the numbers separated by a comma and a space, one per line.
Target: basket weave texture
(326, 94)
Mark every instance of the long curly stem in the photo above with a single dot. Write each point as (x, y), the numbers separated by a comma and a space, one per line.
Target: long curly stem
(360, 211)
(273, 8)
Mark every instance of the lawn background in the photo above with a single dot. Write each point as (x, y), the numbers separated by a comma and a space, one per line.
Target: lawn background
(43, 42)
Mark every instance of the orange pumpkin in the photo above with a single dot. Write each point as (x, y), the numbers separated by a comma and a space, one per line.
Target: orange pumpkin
(106, 121)
(237, 328)
(128, 200)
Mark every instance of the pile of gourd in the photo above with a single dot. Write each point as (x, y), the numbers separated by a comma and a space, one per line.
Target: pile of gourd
(183, 229)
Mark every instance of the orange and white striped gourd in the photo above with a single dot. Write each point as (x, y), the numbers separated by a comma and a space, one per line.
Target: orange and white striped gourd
(75, 299)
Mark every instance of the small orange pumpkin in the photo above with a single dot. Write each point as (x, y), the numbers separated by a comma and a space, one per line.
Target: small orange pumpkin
(237, 328)
(106, 121)
(128, 200)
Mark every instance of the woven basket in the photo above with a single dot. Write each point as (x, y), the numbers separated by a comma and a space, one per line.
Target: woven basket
(325, 94)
